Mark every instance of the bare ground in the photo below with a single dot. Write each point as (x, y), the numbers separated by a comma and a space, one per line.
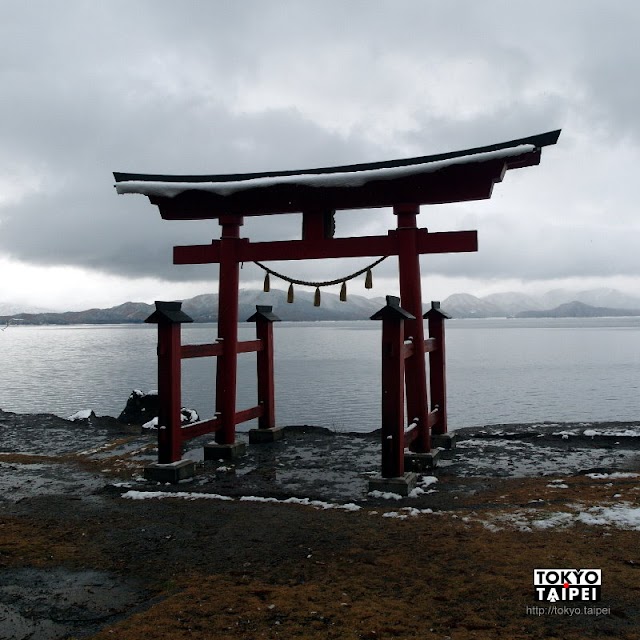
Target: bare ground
(79, 559)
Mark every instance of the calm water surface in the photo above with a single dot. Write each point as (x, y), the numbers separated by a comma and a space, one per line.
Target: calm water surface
(328, 373)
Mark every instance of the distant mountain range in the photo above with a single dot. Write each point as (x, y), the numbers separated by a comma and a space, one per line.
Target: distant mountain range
(553, 304)
(578, 310)
(204, 308)
(8, 308)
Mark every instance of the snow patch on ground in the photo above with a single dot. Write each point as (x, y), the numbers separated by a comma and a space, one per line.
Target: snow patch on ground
(400, 514)
(633, 432)
(318, 504)
(494, 456)
(183, 495)
(420, 490)
(553, 521)
(152, 424)
(84, 414)
(558, 484)
(187, 417)
(406, 512)
(617, 474)
(622, 515)
(384, 495)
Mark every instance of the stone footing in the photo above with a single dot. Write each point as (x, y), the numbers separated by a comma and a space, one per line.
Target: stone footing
(447, 443)
(420, 462)
(402, 485)
(172, 472)
(215, 451)
(261, 436)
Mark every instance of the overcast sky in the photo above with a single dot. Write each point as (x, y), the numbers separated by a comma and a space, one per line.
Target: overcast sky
(210, 86)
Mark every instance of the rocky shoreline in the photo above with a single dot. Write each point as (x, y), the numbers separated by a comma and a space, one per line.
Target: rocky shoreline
(102, 544)
(310, 462)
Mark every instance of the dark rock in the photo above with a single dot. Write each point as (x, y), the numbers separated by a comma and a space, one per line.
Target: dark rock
(141, 407)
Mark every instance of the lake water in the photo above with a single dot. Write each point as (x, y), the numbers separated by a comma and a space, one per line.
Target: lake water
(328, 373)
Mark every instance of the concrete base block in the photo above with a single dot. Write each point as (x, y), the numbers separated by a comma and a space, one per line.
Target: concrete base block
(447, 443)
(420, 462)
(172, 472)
(215, 451)
(260, 436)
(403, 485)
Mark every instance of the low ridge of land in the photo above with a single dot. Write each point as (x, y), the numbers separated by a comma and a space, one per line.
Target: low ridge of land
(204, 308)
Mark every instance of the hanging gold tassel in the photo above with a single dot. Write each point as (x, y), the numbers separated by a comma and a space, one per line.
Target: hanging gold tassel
(343, 292)
(267, 283)
(368, 281)
(316, 298)
(290, 294)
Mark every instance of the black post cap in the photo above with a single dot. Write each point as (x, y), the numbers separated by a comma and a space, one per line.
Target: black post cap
(435, 311)
(168, 313)
(264, 312)
(392, 310)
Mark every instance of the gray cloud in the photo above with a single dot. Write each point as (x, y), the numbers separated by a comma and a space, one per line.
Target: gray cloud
(201, 87)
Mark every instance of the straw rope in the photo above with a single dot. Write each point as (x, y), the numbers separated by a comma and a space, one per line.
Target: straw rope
(325, 283)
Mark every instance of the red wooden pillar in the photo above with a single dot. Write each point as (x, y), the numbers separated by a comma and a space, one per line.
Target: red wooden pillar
(393, 374)
(227, 365)
(411, 297)
(168, 316)
(437, 367)
(264, 319)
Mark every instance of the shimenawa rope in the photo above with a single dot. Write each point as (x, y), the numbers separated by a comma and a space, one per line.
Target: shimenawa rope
(325, 283)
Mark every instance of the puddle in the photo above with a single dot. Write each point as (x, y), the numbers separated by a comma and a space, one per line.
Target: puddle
(521, 451)
(18, 481)
(55, 603)
(309, 462)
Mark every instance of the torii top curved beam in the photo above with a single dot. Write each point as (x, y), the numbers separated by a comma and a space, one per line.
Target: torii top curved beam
(451, 177)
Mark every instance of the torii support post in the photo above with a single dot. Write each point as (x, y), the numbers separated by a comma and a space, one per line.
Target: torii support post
(438, 382)
(411, 297)
(227, 369)
(393, 479)
(170, 467)
(437, 367)
(267, 430)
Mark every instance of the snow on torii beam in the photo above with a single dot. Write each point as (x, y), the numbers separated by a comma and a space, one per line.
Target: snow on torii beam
(449, 177)
(317, 193)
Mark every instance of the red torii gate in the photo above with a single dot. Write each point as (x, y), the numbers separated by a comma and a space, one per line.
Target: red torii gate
(317, 194)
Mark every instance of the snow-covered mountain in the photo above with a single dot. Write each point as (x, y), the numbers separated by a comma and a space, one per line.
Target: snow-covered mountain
(500, 305)
(608, 298)
(513, 302)
(577, 309)
(10, 309)
(465, 305)
(204, 308)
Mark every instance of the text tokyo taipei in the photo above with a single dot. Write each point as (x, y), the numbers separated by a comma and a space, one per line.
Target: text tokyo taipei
(567, 585)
